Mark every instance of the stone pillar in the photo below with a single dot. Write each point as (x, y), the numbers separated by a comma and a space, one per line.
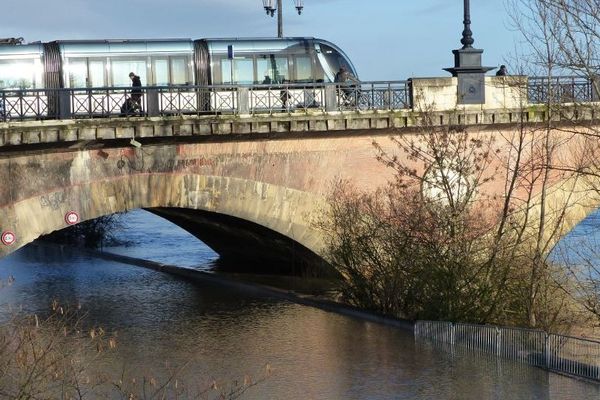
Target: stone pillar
(471, 75)
(243, 98)
(64, 104)
(330, 98)
(152, 104)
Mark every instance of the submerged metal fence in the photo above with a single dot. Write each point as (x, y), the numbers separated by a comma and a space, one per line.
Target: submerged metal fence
(565, 354)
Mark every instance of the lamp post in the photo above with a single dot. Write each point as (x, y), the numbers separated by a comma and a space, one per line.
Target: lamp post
(467, 65)
(467, 36)
(270, 7)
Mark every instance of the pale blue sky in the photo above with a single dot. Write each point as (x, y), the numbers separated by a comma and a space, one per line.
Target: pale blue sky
(386, 39)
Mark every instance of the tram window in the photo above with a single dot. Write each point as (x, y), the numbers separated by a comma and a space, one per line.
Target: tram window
(121, 68)
(97, 78)
(225, 71)
(178, 71)
(281, 69)
(319, 74)
(17, 74)
(303, 69)
(275, 68)
(161, 72)
(77, 73)
(243, 70)
(264, 73)
(334, 58)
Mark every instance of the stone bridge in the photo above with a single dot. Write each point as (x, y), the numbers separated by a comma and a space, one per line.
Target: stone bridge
(249, 187)
(251, 197)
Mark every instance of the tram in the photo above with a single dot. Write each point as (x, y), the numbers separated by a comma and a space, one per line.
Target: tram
(200, 73)
(107, 63)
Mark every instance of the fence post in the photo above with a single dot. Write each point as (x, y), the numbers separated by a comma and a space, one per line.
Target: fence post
(64, 104)
(547, 350)
(452, 333)
(409, 94)
(330, 98)
(243, 101)
(498, 339)
(3, 111)
(598, 370)
(595, 82)
(152, 105)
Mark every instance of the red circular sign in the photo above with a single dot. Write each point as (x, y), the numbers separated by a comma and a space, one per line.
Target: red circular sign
(71, 218)
(8, 238)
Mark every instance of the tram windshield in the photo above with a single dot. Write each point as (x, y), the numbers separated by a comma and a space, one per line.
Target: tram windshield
(331, 60)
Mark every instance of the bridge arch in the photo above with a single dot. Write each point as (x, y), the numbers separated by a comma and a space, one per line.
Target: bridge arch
(273, 220)
(269, 189)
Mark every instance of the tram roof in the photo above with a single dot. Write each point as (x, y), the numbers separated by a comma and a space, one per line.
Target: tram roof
(22, 50)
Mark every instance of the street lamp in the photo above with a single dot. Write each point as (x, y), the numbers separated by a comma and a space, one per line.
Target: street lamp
(467, 36)
(467, 65)
(270, 7)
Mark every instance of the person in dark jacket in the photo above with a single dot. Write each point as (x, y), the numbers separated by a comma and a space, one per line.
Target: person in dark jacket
(133, 103)
(343, 75)
(344, 78)
(502, 71)
(136, 84)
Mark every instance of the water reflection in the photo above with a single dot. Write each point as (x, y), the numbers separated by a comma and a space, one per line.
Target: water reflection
(218, 333)
(148, 236)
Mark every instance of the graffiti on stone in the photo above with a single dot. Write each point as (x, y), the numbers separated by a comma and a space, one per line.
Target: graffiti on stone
(186, 164)
(53, 200)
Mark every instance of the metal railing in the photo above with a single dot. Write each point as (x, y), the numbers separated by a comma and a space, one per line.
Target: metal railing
(560, 89)
(30, 104)
(374, 96)
(565, 354)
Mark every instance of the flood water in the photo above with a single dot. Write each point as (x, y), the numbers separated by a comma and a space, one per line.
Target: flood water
(220, 334)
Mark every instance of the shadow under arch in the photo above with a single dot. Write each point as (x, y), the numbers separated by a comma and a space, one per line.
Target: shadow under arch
(244, 246)
(230, 208)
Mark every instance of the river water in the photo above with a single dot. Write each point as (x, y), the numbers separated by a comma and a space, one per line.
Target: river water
(222, 334)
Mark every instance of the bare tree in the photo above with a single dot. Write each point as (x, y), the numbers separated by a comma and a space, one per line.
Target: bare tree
(464, 230)
(562, 37)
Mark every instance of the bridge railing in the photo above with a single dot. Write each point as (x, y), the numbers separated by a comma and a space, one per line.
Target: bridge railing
(32, 104)
(564, 354)
(560, 89)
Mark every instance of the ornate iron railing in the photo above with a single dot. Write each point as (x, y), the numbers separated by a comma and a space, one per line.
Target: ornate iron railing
(374, 96)
(19, 105)
(286, 98)
(30, 104)
(565, 354)
(560, 89)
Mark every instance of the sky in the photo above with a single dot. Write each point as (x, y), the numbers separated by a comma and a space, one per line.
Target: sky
(385, 39)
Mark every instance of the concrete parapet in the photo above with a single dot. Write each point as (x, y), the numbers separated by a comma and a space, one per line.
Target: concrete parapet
(19, 133)
(441, 94)
(505, 92)
(434, 93)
